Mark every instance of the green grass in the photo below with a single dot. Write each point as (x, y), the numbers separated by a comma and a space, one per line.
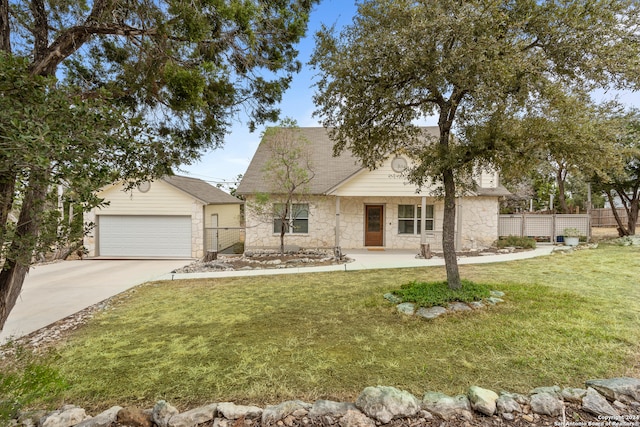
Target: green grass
(566, 319)
(430, 294)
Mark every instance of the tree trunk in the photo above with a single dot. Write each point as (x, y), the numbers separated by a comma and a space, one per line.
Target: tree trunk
(21, 250)
(5, 29)
(622, 231)
(560, 177)
(632, 215)
(448, 231)
(7, 190)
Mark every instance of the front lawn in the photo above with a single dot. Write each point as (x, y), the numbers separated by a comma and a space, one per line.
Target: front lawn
(259, 340)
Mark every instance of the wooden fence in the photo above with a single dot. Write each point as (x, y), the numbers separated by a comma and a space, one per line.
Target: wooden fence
(542, 227)
(603, 217)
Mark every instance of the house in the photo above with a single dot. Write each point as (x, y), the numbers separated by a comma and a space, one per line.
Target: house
(352, 207)
(172, 217)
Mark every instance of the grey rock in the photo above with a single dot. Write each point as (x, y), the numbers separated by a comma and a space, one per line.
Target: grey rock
(619, 405)
(519, 398)
(232, 411)
(476, 304)
(162, 413)
(483, 400)
(273, 414)
(194, 417)
(459, 306)
(554, 391)
(508, 416)
(494, 300)
(392, 298)
(104, 419)
(507, 404)
(355, 418)
(65, 418)
(573, 395)
(546, 404)
(386, 403)
(327, 407)
(447, 407)
(134, 417)
(406, 308)
(594, 403)
(431, 312)
(497, 294)
(624, 389)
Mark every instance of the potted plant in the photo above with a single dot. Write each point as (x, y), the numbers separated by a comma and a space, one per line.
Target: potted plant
(571, 236)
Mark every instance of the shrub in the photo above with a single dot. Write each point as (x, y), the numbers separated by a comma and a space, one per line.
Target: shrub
(430, 294)
(516, 241)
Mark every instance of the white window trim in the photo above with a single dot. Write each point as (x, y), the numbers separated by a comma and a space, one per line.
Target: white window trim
(416, 219)
(291, 228)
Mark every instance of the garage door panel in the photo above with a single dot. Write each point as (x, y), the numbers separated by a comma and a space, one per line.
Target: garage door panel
(144, 236)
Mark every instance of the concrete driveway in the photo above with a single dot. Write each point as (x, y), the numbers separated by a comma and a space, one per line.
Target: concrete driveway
(54, 291)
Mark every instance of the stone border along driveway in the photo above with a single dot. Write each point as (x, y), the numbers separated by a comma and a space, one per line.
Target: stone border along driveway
(602, 403)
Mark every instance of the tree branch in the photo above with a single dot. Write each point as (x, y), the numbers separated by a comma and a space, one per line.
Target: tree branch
(5, 29)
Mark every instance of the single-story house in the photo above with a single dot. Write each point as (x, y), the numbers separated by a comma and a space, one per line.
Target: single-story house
(348, 206)
(172, 217)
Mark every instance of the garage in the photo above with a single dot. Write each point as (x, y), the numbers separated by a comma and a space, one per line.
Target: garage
(144, 236)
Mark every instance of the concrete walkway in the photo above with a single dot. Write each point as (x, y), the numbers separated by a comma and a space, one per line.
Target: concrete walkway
(370, 260)
(54, 291)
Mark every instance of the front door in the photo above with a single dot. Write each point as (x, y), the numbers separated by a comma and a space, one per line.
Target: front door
(374, 225)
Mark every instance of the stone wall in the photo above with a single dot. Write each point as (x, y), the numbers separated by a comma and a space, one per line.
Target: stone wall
(610, 402)
(478, 218)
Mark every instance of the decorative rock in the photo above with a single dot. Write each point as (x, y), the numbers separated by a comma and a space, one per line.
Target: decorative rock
(554, 391)
(573, 395)
(619, 405)
(519, 398)
(527, 418)
(431, 313)
(594, 403)
(508, 416)
(232, 411)
(497, 294)
(273, 414)
(355, 418)
(459, 306)
(506, 404)
(406, 308)
(623, 389)
(387, 403)
(483, 400)
(327, 407)
(65, 418)
(134, 417)
(392, 298)
(494, 300)
(447, 407)
(194, 417)
(162, 413)
(546, 404)
(476, 304)
(104, 419)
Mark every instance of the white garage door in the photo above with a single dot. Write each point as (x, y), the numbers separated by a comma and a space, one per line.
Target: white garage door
(144, 236)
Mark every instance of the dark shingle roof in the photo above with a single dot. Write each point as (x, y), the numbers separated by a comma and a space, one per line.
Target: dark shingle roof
(328, 171)
(201, 190)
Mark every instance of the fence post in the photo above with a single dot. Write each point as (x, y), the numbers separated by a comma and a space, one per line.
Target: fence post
(522, 225)
(553, 229)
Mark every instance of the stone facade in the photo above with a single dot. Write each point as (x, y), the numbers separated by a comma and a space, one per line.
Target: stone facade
(477, 219)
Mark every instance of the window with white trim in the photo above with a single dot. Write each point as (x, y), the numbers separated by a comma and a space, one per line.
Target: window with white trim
(296, 218)
(409, 219)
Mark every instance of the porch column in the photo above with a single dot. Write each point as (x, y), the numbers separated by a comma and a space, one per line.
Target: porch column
(423, 221)
(337, 221)
(458, 244)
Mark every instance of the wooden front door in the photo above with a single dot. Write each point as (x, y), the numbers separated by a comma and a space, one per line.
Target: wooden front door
(374, 225)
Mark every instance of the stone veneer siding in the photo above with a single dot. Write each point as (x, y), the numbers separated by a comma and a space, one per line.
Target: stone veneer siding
(479, 223)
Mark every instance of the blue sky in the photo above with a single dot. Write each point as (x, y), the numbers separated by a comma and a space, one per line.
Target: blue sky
(224, 165)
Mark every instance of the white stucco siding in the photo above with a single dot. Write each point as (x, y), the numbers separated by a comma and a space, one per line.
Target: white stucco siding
(161, 199)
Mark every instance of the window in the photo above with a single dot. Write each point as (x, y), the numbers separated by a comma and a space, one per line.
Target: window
(409, 219)
(296, 218)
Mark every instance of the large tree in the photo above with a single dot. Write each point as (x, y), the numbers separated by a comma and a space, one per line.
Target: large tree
(404, 60)
(104, 90)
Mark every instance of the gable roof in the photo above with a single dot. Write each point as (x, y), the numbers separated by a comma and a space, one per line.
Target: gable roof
(329, 171)
(201, 190)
